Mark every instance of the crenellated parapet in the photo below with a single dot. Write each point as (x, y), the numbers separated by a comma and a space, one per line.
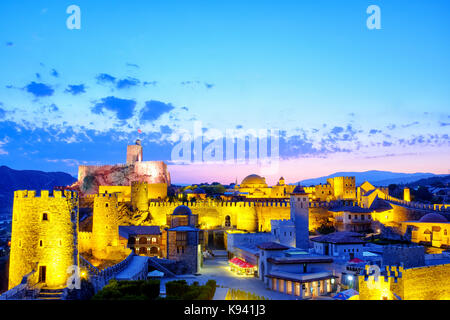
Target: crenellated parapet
(44, 194)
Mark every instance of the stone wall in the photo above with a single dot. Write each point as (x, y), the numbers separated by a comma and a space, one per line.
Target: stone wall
(44, 234)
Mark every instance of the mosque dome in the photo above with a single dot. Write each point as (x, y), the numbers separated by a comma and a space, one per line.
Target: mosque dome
(182, 210)
(433, 218)
(253, 179)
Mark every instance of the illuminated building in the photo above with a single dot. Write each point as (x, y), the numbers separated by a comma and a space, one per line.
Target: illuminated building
(44, 237)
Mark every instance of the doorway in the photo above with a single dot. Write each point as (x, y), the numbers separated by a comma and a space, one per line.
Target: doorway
(42, 273)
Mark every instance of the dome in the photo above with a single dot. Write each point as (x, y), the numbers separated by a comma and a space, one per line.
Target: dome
(182, 210)
(253, 179)
(433, 218)
(299, 190)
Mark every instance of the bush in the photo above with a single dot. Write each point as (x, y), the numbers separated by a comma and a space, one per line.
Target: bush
(129, 290)
(180, 290)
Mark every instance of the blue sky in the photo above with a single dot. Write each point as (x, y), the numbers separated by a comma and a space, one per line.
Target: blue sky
(344, 96)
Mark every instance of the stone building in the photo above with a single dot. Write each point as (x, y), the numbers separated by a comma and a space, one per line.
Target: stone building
(432, 229)
(144, 240)
(44, 237)
(184, 239)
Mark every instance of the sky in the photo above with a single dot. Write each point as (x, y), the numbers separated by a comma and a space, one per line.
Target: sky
(342, 97)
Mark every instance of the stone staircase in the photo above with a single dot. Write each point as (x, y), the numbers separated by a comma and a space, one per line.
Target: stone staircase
(50, 294)
(154, 263)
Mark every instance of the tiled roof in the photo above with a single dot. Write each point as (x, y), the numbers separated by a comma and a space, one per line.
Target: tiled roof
(126, 231)
(353, 209)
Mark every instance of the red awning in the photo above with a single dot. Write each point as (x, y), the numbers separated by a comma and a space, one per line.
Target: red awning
(241, 263)
(356, 260)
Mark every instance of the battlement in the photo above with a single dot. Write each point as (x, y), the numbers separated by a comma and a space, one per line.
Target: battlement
(44, 194)
(106, 195)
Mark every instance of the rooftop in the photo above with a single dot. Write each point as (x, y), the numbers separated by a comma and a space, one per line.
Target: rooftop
(353, 209)
(127, 231)
(271, 246)
(340, 238)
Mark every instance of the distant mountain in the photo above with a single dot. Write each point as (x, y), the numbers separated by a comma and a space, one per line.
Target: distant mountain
(11, 180)
(440, 181)
(378, 178)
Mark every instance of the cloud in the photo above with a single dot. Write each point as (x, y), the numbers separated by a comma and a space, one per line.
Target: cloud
(154, 109)
(391, 126)
(185, 108)
(9, 44)
(444, 124)
(165, 130)
(209, 85)
(52, 108)
(75, 89)
(122, 107)
(374, 131)
(105, 78)
(54, 73)
(387, 144)
(150, 83)
(39, 89)
(127, 83)
(133, 65)
(38, 75)
(410, 124)
(337, 130)
(2, 112)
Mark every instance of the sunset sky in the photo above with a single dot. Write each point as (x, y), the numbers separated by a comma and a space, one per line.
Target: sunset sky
(345, 98)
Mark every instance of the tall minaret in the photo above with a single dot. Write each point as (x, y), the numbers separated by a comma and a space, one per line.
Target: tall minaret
(299, 202)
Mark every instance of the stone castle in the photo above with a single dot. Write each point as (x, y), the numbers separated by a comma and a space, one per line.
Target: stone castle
(48, 236)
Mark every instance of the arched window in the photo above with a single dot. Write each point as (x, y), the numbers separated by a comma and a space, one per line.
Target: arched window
(154, 250)
(45, 216)
(107, 204)
(143, 240)
(142, 250)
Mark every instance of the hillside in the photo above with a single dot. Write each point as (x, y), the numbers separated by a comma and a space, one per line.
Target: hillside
(379, 178)
(11, 180)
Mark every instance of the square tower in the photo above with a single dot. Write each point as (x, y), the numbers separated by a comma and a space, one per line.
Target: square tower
(134, 152)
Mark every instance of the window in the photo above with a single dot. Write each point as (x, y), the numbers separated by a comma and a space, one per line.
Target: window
(41, 243)
(45, 216)
(20, 243)
(107, 205)
(350, 216)
(362, 217)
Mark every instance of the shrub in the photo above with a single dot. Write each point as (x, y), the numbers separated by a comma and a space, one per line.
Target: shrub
(129, 290)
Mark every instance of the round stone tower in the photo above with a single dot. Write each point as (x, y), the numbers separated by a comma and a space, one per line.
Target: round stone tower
(105, 224)
(44, 237)
(139, 195)
(299, 202)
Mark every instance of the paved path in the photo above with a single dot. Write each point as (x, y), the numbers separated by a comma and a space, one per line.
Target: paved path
(136, 266)
(219, 270)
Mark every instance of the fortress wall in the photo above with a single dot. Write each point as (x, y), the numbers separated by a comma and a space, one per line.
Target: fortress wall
(91, 177)
(243, 215)
(427, 283)
(84, 241)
